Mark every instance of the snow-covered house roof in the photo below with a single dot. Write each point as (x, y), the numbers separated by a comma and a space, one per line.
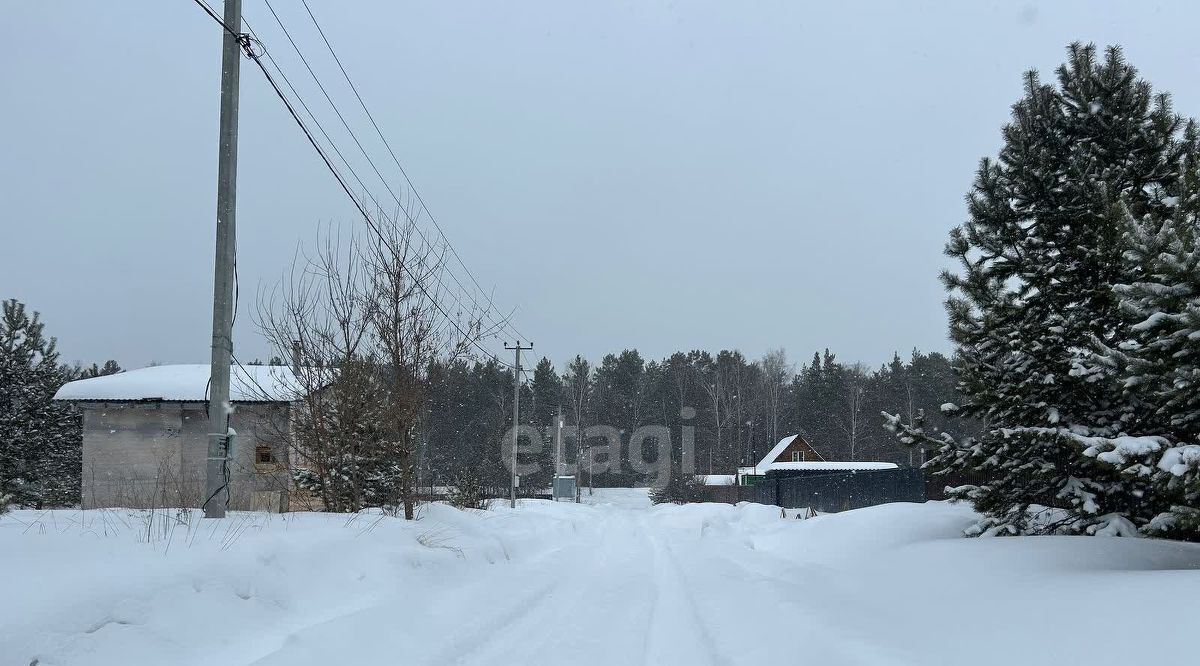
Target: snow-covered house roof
(774, 453)
(185, 383)
(770, 462)
(813, 465)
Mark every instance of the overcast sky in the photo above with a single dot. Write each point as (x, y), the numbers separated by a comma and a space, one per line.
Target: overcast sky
(659, 175)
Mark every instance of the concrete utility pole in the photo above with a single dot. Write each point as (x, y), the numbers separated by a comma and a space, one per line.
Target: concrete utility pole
(512, 499)
(558, 466)
(216, 489)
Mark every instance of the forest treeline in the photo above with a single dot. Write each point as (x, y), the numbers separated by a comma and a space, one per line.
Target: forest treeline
(739, 408)
(40, 456)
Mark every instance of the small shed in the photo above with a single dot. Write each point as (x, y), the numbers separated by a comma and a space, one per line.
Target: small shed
(145, 436)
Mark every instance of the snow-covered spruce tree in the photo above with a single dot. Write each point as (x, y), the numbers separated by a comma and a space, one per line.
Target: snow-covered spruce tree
(1040, 254)
(1156, 362)
(343, 454)
(680, 488)
(40, 463)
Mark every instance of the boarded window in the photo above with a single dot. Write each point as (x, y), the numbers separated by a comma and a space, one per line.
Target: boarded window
(263, 455)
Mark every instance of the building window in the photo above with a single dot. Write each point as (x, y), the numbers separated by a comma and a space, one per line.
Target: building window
(263, 455)
(795, 456)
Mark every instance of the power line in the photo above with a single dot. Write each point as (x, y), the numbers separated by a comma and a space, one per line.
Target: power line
(436, 277)
(499, 322)
(494, 324)
(332, 144)
(396, 160)
(245, 41)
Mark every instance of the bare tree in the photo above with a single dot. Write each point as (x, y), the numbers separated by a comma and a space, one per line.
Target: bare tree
(411, 330)
(318, 317)
(714, 386)
(577, 384)
(363, 322)
(776, 373)
(853, 419)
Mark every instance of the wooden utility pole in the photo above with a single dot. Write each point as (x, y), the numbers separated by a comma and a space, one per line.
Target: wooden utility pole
(516, 419)
(216, 487)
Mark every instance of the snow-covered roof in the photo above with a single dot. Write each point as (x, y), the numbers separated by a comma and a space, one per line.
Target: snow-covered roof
(765, 465)
(828, 465)
(716, 479)
(185, 383)
(774, 453)
(779, 448)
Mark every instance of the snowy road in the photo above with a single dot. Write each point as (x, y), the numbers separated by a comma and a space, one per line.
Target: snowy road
(613, 593)
(620, 583)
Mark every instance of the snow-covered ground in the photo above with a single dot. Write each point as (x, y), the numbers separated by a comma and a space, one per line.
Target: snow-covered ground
(610, 581)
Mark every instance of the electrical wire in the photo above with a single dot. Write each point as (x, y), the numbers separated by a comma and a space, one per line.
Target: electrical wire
(354, 174)
(396, 160)
(246, 42)
(499, 323)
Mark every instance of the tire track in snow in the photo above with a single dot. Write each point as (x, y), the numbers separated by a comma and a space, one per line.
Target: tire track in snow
(597, 609)
(808, 602)
(478, 636)
(677, 632)
(617, 591)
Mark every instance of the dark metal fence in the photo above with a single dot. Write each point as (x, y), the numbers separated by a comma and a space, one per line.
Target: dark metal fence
(840, 491)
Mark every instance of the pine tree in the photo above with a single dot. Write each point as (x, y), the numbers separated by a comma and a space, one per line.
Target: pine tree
(545, 393)
(1156, 362)
(346, 456)
(1040, 255)
(680, 488)
(40, 454)
(78, 371)
(619, 385)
